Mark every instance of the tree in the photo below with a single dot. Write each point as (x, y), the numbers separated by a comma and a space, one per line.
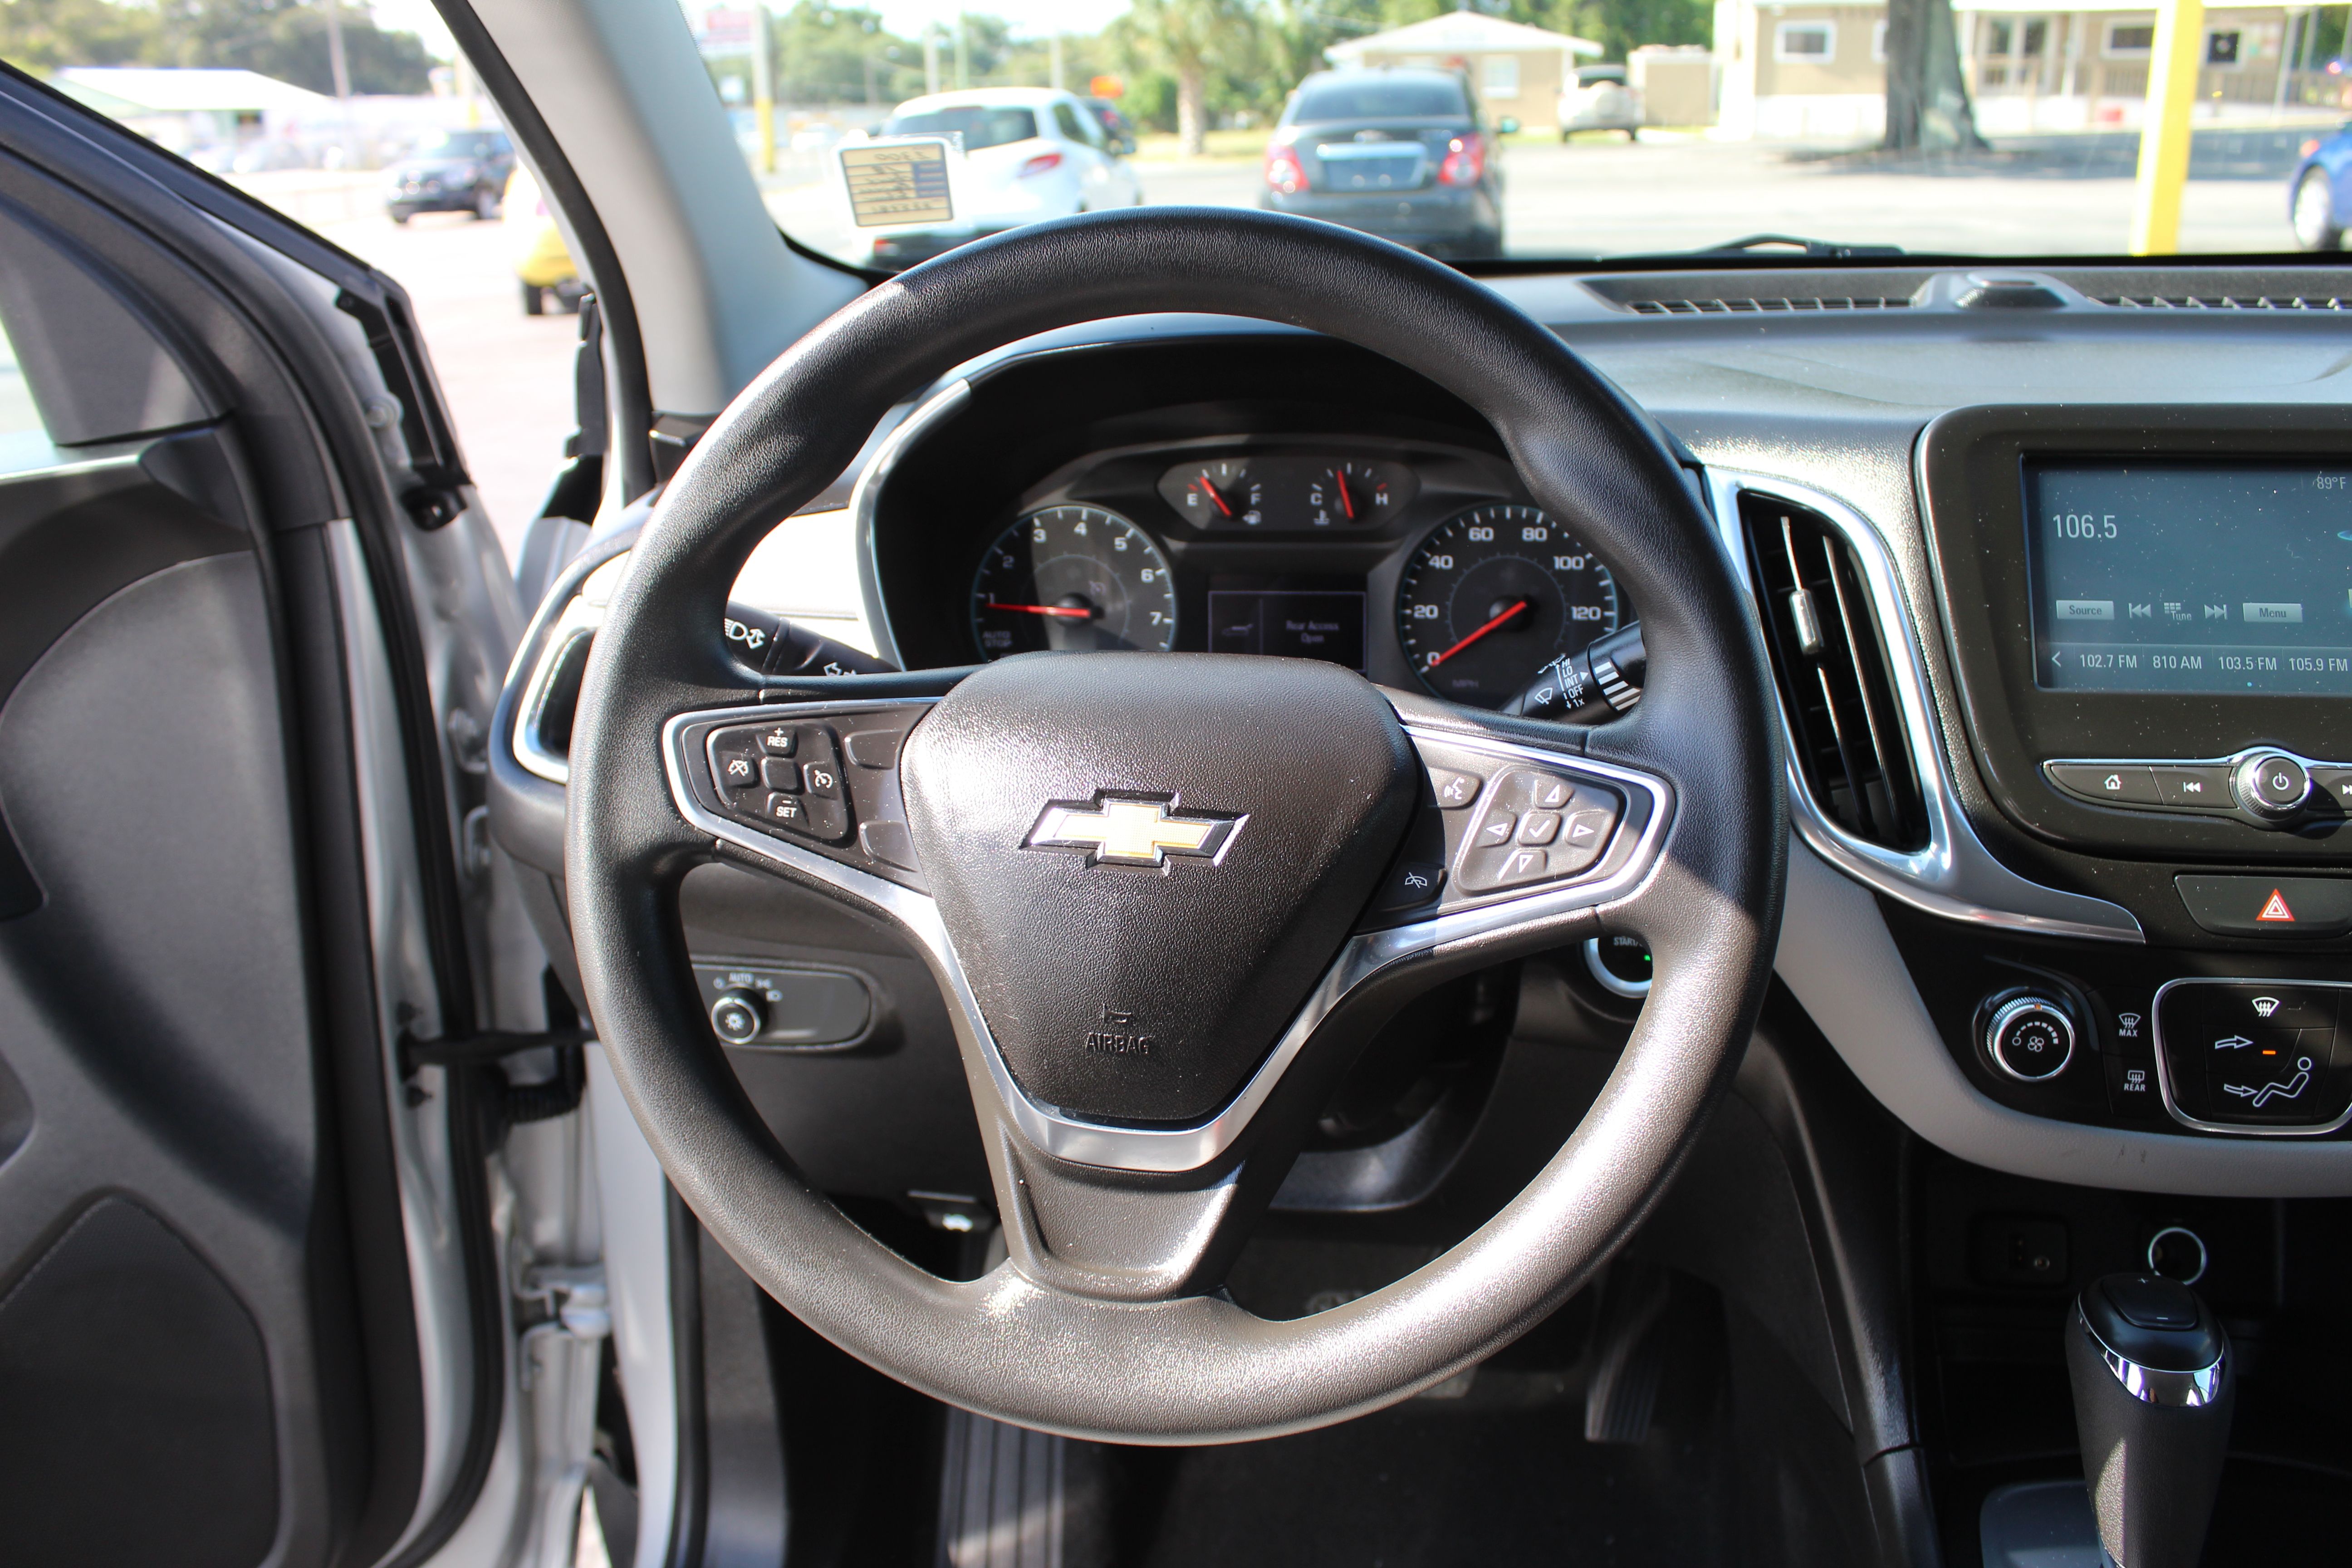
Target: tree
(1928, 105)
(1190, 39)
(43, 35)
(287, 39)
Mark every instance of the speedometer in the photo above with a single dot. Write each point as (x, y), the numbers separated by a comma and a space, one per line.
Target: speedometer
(1073, 578)
(1493, 597)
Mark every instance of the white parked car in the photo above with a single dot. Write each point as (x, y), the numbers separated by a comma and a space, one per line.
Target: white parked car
(1030, 154)
(1600, 100)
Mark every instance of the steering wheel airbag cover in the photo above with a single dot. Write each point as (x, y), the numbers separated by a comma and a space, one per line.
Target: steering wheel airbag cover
(1195, 1368)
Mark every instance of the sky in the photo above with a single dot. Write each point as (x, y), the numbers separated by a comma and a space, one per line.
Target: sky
(904, 17)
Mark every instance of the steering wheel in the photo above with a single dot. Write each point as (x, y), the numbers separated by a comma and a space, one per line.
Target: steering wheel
(1170, 896)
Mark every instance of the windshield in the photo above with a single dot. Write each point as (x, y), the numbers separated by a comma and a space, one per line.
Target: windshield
(1594, 132)
(980, 127)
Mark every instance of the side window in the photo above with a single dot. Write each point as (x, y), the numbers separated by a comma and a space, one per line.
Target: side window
(1065, 121)
(18, 415)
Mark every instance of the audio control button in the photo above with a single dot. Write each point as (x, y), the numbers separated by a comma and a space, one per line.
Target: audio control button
(2194, 786)
(2113, 784)
(2272, 785)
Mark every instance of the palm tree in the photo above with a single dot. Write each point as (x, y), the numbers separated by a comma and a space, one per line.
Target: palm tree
(1190, 38)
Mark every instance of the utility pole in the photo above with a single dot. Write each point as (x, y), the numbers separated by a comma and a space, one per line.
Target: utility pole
(2164, 134)
(342, 74)
(932, 58)
(963, 50)
(764, 91)
(1054, 66)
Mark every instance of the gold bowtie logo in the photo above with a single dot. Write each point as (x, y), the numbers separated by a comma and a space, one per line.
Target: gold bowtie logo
(1118, 831)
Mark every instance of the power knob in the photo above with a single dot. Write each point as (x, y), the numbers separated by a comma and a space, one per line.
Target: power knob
(2271, 785)
(2030, 1038)
(739, 1016)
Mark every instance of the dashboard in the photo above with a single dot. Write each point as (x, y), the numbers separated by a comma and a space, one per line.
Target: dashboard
(1336, 512)
(2064, 669)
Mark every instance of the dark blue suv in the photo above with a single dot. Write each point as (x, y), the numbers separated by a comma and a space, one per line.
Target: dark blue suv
(1394, 151)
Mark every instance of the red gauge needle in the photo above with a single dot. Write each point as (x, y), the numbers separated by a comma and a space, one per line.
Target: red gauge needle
(1346, 503)
(1517, 606)
(1210, 491)
(1066, 612)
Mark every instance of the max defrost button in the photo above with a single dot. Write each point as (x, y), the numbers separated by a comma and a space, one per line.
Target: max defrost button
(2118, 784)
(2293, 909)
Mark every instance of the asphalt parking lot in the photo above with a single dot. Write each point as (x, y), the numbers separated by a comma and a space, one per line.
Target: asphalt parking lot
(508, 376)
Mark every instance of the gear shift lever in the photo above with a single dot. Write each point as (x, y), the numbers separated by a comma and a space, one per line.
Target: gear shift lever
(2153, 1391)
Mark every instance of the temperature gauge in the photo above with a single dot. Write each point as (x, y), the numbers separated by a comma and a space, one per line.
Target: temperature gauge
(1351, 493)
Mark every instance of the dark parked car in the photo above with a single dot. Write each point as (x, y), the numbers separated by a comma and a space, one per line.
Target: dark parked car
(1394, 151)
(2320, 193)
(1118, 129)
(455, 171)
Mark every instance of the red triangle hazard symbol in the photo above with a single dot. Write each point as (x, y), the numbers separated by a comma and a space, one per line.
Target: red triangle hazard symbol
(2276, 909)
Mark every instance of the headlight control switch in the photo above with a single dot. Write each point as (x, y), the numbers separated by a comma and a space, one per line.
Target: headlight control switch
(2031, 1036)
(738, 1017)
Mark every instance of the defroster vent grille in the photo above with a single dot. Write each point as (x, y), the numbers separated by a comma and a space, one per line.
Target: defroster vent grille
(1829, 653)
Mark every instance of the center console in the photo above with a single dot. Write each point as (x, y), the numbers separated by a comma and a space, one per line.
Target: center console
(2149, 623)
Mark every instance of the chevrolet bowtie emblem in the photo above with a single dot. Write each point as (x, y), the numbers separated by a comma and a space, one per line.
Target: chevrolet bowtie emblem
(1117, 831)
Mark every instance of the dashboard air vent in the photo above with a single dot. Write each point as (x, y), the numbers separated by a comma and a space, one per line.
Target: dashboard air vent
(1829, 654)
(2227, 302)
(1730, 306)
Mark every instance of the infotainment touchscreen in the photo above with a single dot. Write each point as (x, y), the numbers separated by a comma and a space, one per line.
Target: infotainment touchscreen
(2191, 578)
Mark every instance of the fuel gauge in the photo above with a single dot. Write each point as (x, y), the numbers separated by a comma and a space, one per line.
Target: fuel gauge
(1216, 492)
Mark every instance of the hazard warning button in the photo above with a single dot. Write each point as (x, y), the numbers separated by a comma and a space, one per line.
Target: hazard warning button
(2291, 909)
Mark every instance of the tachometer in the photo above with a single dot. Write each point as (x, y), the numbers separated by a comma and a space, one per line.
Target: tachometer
(1073, 578)
(1494, 595)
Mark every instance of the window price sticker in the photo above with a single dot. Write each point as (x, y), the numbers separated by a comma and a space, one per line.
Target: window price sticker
(898, 182)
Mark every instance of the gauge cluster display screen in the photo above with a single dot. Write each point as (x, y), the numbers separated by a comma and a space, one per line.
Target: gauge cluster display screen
(2180, 578)
(1292, 622)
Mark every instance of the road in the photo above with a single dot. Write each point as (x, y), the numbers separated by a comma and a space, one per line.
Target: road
(508, 376)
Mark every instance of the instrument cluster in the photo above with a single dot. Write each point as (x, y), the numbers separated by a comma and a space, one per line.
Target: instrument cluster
(1415, 563)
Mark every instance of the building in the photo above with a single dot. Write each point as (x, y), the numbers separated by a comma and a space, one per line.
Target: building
(192, 110)
(1817, 72)
(1516, 70)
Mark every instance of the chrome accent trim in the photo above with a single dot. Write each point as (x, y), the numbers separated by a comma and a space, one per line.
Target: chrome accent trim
(865, 499)
(2204, 1253)
(2164, 1067)
(1955, 877)
(1365, 954)
(575, 623)
(2017, 1008)
(2154, 1385)
(1613, 984)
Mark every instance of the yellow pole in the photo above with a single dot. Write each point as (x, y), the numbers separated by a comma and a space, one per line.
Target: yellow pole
(2172, 69)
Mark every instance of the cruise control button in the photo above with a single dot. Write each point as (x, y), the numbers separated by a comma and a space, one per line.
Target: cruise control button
(874, 748)
(1539, 827)
(2188, 784)
(822, 779)
(888, 842)
(2115, 784)
(784, 810)
(781, 772)
(2292, 908)
(1453, 791)
(1412, 884)
(776, 740)
(827, 819)
(733, 769)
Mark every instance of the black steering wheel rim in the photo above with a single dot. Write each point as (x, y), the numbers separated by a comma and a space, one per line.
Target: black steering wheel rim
(1020, 1345)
